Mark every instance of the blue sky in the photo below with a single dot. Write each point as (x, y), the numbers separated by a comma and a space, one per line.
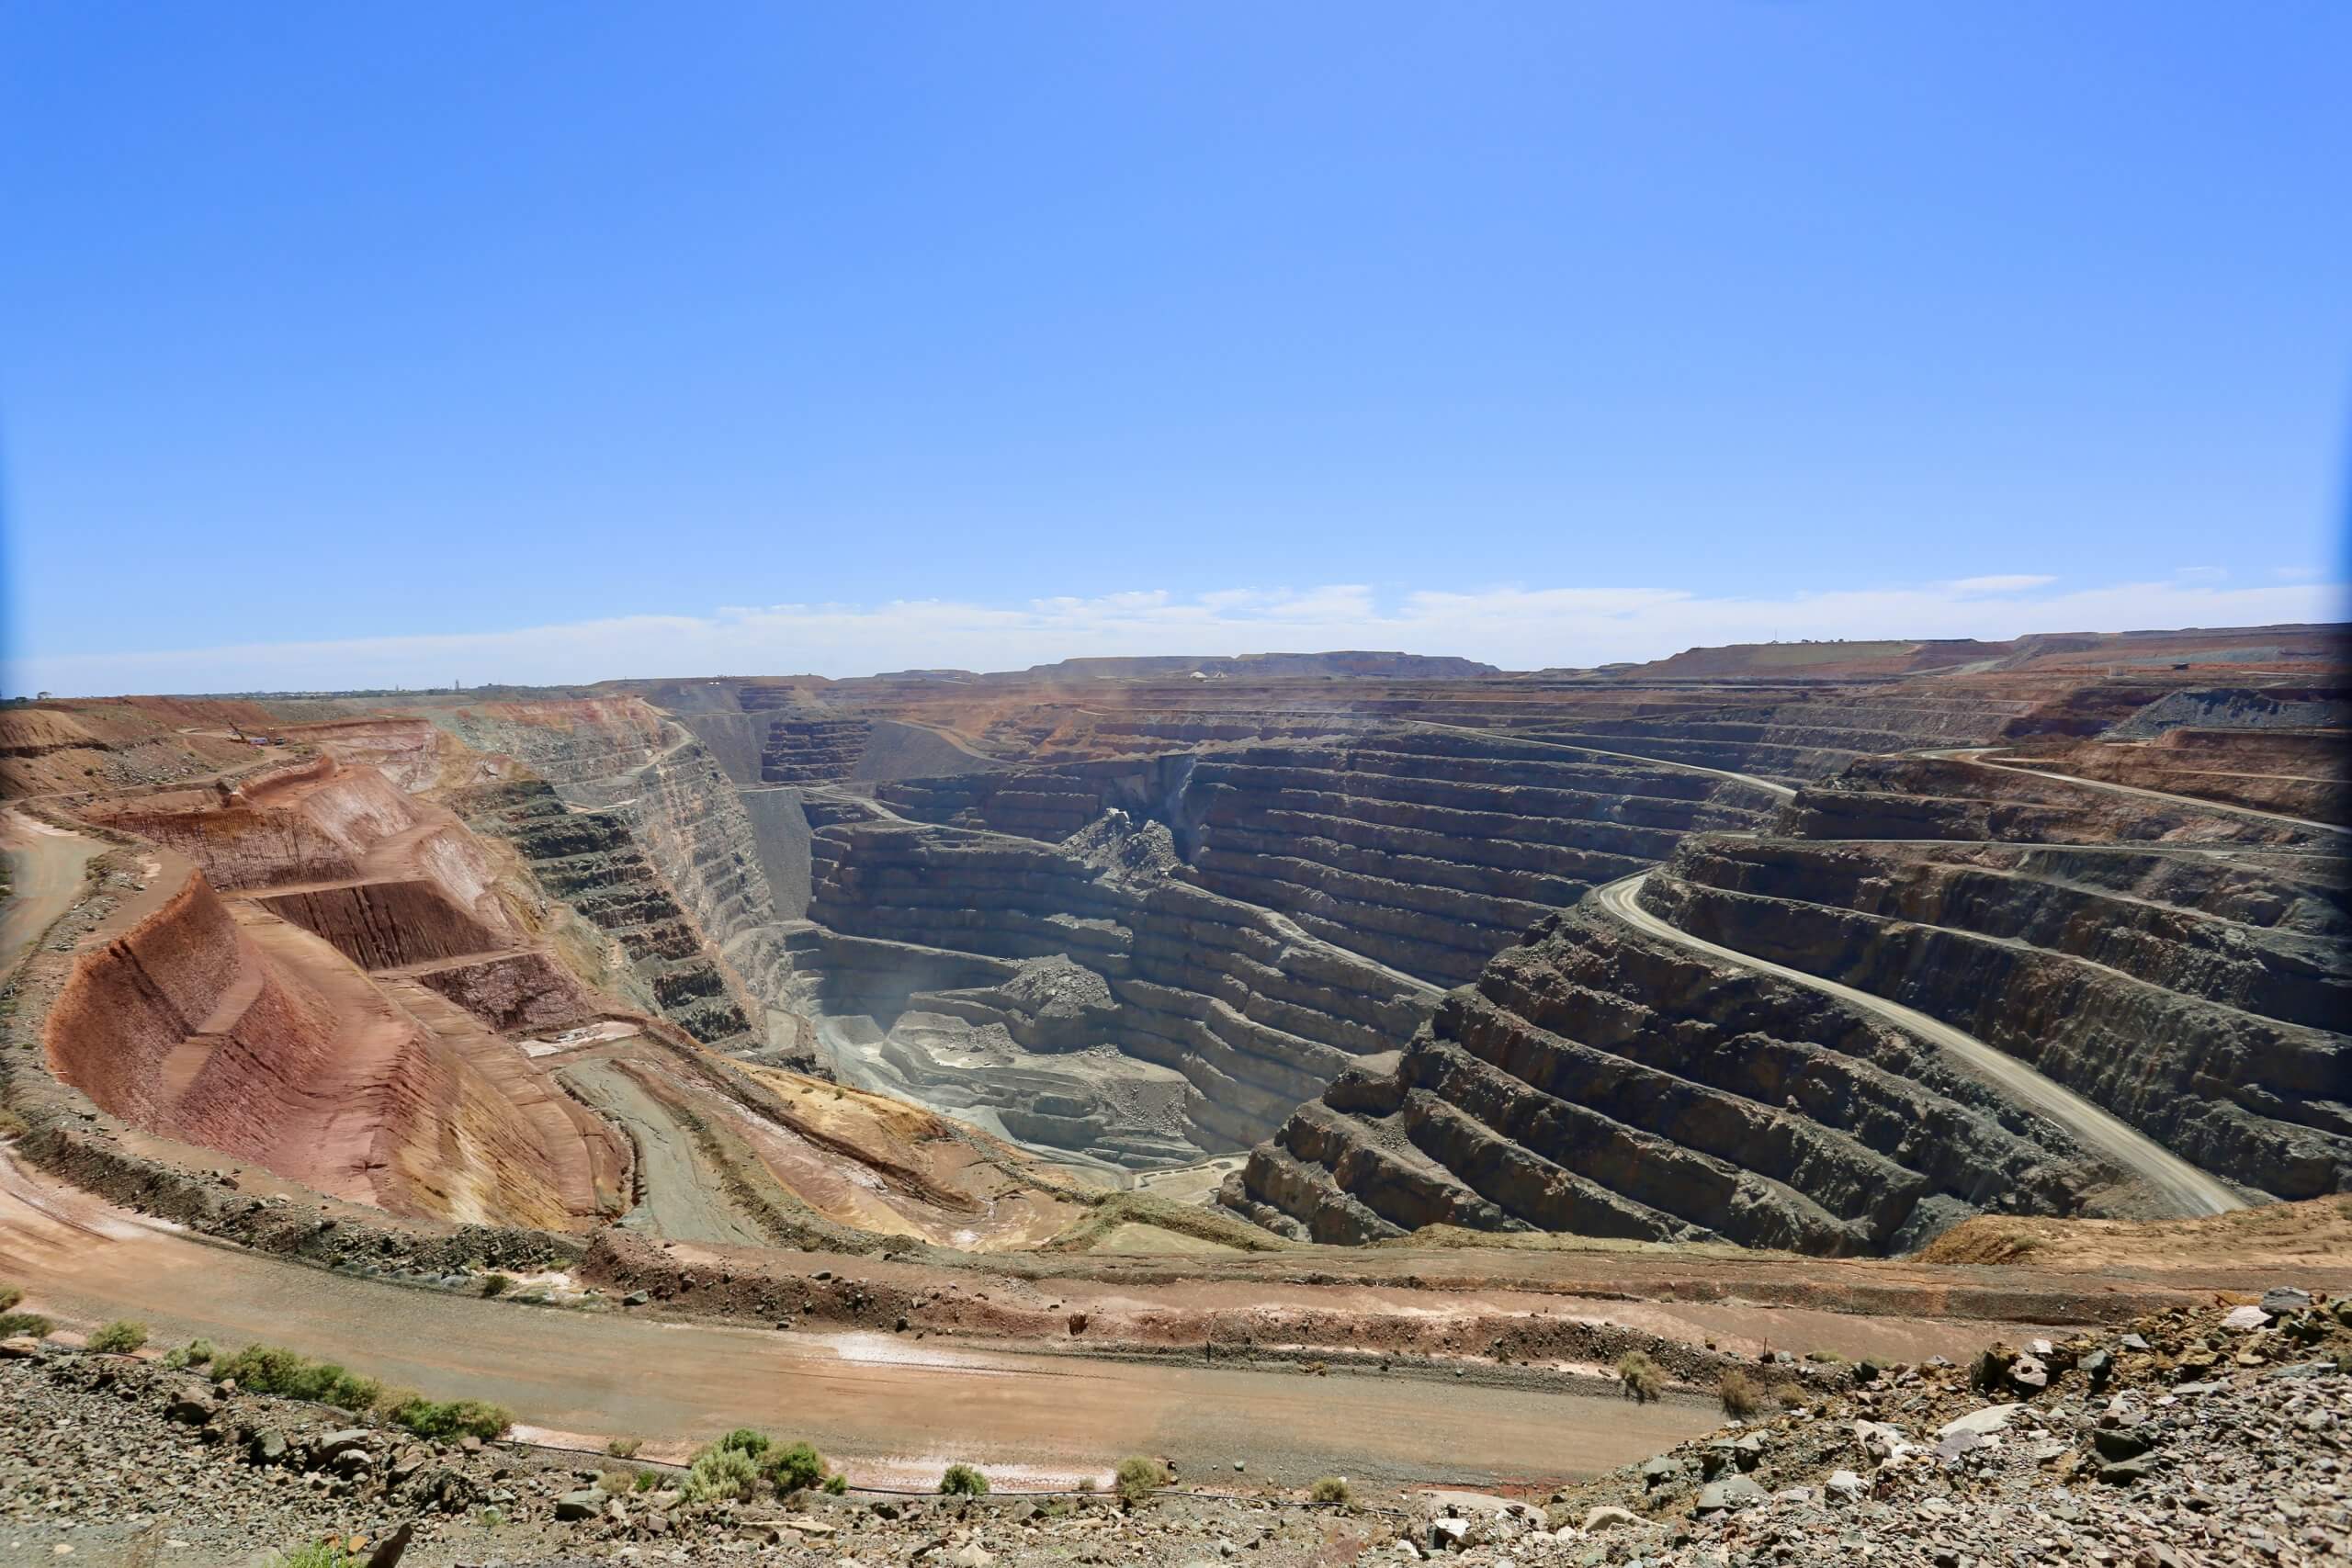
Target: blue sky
(349, 343)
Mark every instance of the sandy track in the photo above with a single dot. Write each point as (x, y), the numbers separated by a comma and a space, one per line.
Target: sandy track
(2182, 1188)
(679, 1195)
(45, 864)
(876, 1401)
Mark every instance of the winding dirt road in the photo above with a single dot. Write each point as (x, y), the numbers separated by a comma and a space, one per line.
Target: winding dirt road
(890, 1407)
(45, 870)
(2182, 1188)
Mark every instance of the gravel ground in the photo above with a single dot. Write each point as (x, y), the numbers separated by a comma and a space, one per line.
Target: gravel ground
(2220, 1436)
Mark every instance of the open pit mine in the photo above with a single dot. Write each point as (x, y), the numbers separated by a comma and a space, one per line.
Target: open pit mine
(1144, 1037)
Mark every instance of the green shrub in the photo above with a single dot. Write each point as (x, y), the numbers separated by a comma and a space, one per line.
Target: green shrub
(120, 1338)
(32, 1323)
(795, 1467)
(496, 1285)
(837, 1484)
(1739, 1393)
(1639, 1378)
(720, 1475)
(963, 1481)
(743, 1441)
(270, 1369)
(9, 1296)
(443, 1419)
(622, 1448)
(647, 1480)
(318, 1555)
(1138, 1478)
(1329, 1489)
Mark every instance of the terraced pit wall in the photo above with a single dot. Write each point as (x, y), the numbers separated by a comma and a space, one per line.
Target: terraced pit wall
(2197, 992)
(1598, 1083)
(942, 922)
(249, 1025)
(1424, 849)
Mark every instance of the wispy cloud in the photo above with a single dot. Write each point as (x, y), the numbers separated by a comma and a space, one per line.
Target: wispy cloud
(2014, 584)
(1516, 626)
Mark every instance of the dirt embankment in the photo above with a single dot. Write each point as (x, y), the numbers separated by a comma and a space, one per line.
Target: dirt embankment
(2296, 1237)
(248, 1024)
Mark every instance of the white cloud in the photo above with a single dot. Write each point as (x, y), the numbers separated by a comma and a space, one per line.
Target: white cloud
(2014, 584)
(1515, 626)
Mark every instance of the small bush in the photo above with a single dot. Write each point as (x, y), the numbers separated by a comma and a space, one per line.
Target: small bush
(623, 1448)
(647, 1480)
(1639, 1379)
(1739, 1393)
(1086, 1483)
(13, 1126)
(31, 1323)
(1137, 1478)
(612, 1481)
(496, 1285)
(837, 1484)
(795, 1467)
(318, 1555)
(120, 1338)
(1330, 1489)
(268, 1369)
(442, 1419)
(963, 1481)
(745, 1441)
(721, 1475)
(9, 1296)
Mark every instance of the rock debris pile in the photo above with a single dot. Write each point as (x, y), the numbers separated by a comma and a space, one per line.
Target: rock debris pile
(2222, 1436)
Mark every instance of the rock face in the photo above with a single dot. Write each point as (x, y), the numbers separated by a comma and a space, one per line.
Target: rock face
(591, 861)
(319, 1030)
(1425, 849)
(2184, 970)
(716, 848)
(2179, 966)
(2299, 772)
(2278, 705)
(1249, 920)
(817, 749)
(954, 941)
(1596, 1082)
(1809, 735)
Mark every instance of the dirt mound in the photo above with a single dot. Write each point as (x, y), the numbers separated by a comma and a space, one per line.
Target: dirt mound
(2274, 1236)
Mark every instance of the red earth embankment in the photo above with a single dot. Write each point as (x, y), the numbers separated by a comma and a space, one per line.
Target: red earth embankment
(215, 1022)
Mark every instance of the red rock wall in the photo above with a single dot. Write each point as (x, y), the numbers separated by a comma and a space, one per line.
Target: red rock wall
(134, 1002)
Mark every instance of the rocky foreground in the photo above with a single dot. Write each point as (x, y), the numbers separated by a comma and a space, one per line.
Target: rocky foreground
(2222, 1436)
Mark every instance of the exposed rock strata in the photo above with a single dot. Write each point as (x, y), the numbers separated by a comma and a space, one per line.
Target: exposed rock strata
(1594, 1082)
(1426, 850)
(941, 921)
(2182, 968)
(591, 861)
